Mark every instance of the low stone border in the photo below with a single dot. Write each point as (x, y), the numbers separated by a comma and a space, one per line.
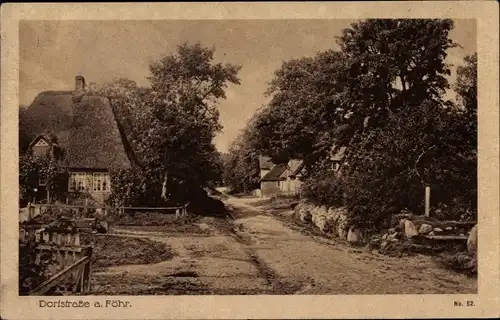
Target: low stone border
(411, 232)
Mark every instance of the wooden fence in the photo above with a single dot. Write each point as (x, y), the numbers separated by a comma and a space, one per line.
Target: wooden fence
(40, 209)
(71, 259)
(80, 283)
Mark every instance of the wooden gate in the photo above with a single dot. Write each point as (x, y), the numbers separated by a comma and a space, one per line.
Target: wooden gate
(71, 260)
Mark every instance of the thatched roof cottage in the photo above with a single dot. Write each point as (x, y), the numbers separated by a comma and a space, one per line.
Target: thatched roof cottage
(85, 130)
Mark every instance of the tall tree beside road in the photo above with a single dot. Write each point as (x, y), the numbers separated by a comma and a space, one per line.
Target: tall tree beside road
(303, 115)
(171, 124)
(241, 165)
(382, 97)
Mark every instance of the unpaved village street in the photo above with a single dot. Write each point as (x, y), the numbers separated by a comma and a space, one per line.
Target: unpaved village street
(257, 253)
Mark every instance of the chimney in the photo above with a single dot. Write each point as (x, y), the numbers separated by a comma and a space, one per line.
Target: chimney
(79, 83)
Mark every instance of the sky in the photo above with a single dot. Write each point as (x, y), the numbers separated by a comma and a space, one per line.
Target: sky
(52, 53)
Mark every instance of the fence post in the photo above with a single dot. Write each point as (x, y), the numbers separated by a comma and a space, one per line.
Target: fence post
(30, 212)
(427, 201)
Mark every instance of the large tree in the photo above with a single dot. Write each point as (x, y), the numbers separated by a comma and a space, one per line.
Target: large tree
(171, 125)
(241, 166)
(303, 115)
(382, 97)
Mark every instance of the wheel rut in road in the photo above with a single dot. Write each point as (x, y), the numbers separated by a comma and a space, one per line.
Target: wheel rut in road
(278, 284)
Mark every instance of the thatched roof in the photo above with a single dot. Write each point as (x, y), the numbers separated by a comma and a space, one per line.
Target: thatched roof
(85, 126)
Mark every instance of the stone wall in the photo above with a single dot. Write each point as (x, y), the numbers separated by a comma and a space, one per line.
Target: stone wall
(409, 232)
(329, 220)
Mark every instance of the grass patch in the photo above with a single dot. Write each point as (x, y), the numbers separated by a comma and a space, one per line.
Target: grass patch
(276, 202)
(111, 251)
(159, 222)
(146, 219)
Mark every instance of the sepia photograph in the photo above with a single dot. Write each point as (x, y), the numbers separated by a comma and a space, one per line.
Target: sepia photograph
(220, 157)
(247, 157)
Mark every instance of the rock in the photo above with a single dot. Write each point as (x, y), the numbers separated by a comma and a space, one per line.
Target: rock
(342, 231)
(383, 245)
(472, 241)
(393, 236)
(354, 235)
(401, 223)
(409, 229)
(462, 235)
(391, 230)
(305, 216)
(438, 230)
(322, 223)
(393, 240)
(384, 236)
(425, 228)
(431, 233)
(448, 228)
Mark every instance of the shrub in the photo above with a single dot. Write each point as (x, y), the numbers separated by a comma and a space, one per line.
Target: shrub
(31, 271)
(326, 189)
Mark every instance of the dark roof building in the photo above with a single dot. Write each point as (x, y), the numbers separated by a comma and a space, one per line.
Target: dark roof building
(293, 169)
(275, 173)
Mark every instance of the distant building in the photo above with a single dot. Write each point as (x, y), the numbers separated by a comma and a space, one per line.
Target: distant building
(265, 165)
(84, 134)
(291, 178)
(270, 182)
(287, 178)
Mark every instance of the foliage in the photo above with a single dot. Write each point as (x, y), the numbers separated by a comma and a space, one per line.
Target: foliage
(324, 189)
(303, 115)
(381, 96)
(31, 271)
(241, 165)
(128, 187)
(32, 169)
(333, 97)
(171, 124)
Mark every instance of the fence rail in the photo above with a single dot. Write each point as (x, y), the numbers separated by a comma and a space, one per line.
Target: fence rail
(81, 285)
(41, 208)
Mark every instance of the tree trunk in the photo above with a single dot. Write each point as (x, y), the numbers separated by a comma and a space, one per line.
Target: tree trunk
(164, 187)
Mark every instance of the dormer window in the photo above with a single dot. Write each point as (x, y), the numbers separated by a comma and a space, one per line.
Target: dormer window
(41, 149)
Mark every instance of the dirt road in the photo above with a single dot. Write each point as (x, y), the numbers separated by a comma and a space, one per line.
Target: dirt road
(256, 253)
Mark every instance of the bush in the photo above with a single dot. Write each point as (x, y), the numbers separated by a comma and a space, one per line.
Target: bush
(326, 189)
(390, 167)
(31, 271)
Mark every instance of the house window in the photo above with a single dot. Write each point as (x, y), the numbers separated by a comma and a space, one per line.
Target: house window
(77, 181)
(101, 182)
